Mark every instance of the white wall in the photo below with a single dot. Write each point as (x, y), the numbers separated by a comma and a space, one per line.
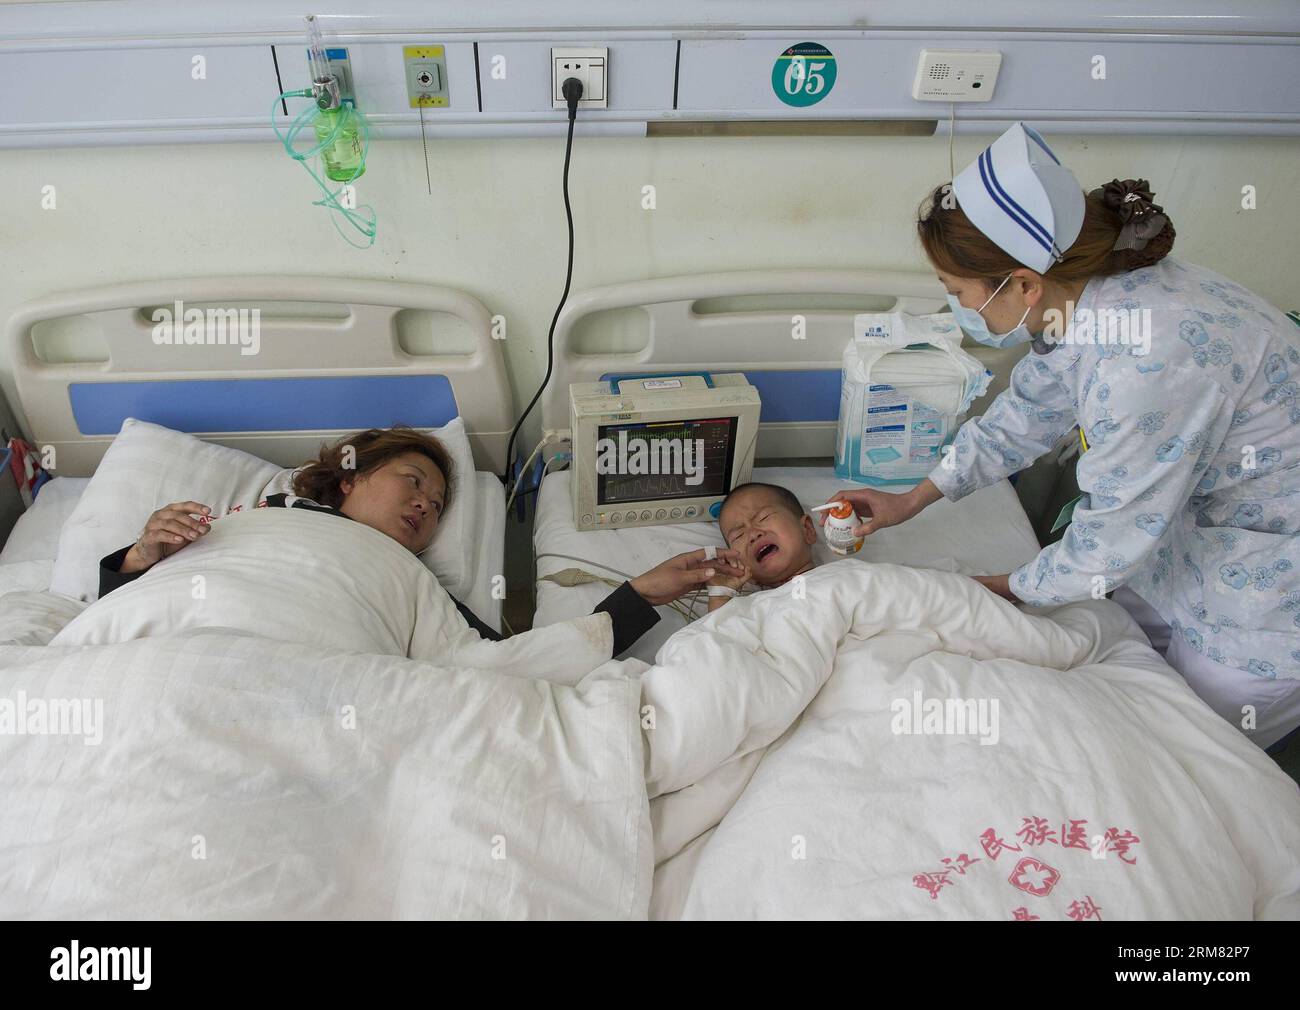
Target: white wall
(495, 222)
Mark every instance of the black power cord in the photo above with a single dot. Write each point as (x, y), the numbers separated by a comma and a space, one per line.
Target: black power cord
(572, 91)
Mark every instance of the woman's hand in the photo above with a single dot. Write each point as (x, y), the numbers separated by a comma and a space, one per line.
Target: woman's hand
(678, 576)
(999, 585)
(881, 509)
(167, 531)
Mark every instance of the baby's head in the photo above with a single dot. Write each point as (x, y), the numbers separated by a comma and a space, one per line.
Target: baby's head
(770, 529)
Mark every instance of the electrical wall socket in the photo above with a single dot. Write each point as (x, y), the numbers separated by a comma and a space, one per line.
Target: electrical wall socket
(590, 65)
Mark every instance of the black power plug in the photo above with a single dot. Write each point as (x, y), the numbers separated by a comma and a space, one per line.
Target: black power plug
(571, 89)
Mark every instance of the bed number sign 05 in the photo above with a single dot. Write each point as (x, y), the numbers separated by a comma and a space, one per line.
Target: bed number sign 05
(804, 74)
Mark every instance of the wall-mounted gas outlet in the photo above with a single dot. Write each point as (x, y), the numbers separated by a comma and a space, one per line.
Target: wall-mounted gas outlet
(590, 66)
(426, 76)
(956, 75)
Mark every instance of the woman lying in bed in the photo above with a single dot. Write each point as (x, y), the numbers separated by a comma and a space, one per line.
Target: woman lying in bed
(398, 481)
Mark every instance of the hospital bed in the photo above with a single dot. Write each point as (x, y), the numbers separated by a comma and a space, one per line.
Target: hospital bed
(227, 773)
(333, 356)
(742, 322)
(264, 764)
(838, 816)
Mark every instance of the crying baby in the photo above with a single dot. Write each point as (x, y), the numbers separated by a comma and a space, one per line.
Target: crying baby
(773, 534)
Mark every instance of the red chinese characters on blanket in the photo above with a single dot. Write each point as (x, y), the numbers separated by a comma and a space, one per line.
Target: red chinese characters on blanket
(1120, 844)
(233, 508)
(963, 861)
(937, 881)
(1030, 874)
(994, 845)
(932, 882)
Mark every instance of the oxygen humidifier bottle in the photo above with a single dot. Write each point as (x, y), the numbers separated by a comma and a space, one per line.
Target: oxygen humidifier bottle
(342, 157)
(840, 520)
(335, 122)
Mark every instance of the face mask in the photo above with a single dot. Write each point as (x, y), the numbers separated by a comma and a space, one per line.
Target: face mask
(977, 329)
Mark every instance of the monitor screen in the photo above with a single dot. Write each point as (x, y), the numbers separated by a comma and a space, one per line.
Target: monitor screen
(667, 459)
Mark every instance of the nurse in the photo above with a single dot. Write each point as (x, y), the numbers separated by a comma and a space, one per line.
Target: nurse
(1185, 388)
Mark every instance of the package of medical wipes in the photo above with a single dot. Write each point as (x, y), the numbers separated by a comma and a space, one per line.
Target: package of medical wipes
(904, 391)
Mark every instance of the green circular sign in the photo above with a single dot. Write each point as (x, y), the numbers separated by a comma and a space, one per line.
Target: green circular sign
(804, 74)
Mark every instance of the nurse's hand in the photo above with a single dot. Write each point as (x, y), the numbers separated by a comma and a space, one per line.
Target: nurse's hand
(1000, 585)
(881, 509)
(167, 531)
(684, 573)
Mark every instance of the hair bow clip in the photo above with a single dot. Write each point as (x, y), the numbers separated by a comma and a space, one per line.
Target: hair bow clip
(1142, 220)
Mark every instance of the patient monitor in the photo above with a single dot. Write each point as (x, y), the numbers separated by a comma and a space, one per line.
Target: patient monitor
(650, 450)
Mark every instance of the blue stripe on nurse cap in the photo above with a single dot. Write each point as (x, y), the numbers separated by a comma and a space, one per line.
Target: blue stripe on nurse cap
(1019, 194)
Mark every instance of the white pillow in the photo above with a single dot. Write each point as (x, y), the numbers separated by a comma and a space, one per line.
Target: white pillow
(146, 467)
(35, 536)
(451, 555)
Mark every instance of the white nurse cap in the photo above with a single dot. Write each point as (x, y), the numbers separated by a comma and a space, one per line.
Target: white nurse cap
(1022, 198)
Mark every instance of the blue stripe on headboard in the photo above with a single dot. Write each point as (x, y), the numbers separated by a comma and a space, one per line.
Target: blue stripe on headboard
(794, 395)
(352, 401)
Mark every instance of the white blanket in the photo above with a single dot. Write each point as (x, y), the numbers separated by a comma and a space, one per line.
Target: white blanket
(29, 614)
(255, 742)
(182, 751)
(301, 576)
(1105, 789)
(236, 777)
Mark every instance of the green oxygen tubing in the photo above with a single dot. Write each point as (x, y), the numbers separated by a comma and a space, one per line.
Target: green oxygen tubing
(342, 143)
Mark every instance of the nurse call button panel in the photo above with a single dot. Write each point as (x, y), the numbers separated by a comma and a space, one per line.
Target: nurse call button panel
(956, 75)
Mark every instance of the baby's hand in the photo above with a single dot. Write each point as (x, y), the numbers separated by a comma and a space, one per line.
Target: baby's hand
(736, 582)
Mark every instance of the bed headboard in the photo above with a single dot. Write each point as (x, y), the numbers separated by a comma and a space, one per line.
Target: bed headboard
(785, 329)
(322, 357)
